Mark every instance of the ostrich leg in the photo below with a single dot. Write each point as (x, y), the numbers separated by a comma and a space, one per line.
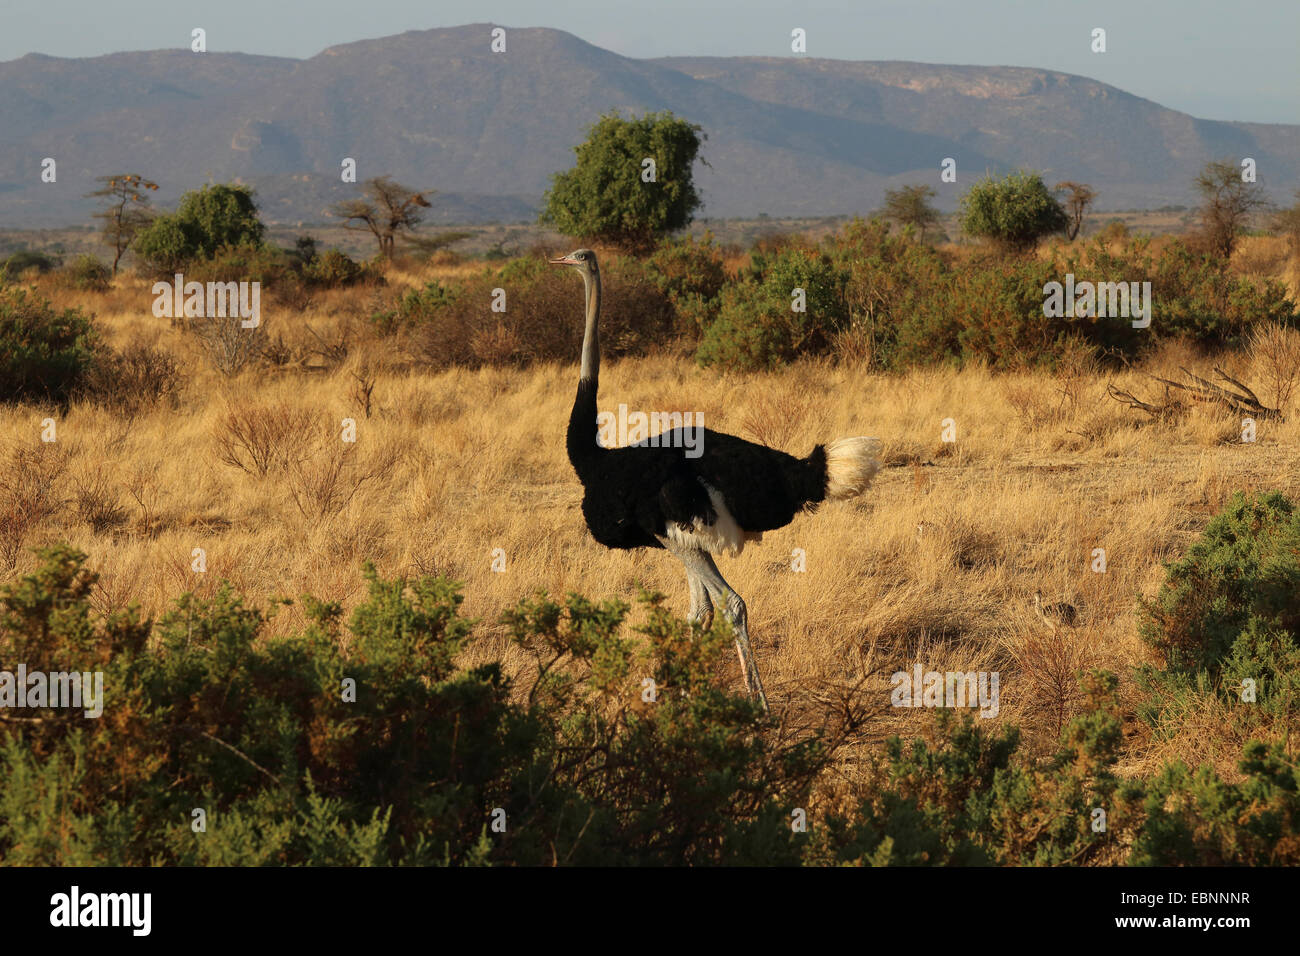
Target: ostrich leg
(701, 606)
(700, 570)
(733, 609)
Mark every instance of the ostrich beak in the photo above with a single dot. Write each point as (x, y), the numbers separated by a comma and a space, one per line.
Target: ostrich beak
(564, 261)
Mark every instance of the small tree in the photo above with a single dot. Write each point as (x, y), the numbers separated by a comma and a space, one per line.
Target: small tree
(222, 215)
(206, 220)
(910, 205)
(1079, 197)
(1227, 206)
(390, 209)
(126, 213)
(633, 182)
(1015, 211)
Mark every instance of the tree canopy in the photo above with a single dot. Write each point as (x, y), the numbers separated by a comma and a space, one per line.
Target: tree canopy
(206, 220)
(1015, 211)
(388, 210)
(633, 182)
(910, 206)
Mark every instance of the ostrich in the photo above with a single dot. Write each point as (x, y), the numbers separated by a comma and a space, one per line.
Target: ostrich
(653, 496)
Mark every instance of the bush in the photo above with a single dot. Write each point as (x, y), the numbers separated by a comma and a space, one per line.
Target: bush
(758, 325)
(89, 274)
(374, 742)
(1193, 818)
(1015, 211)
(26, 260)
(242, 263)
(163, 247)
(990, 313)
(908, 306)
(962, 797)
(44, 353)
(333, 269)
(134, 379)
(691, 274)
(206, 221)
(415, 308)
(543, 320)
(301, 752)
(1229, 613)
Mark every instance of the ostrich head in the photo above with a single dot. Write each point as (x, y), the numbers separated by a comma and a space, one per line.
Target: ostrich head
(584, 260)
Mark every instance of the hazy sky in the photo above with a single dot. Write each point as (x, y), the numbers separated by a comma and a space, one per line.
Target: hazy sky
(1237, 60)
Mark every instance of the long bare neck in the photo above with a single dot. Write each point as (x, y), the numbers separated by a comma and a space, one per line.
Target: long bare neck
(590, 338)
(581, 440)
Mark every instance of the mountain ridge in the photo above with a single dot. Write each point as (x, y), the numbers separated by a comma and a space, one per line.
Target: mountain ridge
(437, 109)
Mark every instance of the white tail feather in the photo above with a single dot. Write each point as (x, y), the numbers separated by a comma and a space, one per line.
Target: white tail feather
(850, 465)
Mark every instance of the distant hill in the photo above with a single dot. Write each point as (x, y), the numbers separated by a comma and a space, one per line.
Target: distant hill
(437, 109)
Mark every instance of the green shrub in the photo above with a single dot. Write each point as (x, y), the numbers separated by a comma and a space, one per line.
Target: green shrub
(1194, 818)
(218, 216)
(911, 307)
(163, 247)
(992, 314)
(26, 260)
(758, 325)
(372, 742)
(1228, 613)
(206, 221)
(890, 278)
(963, 796)
(1191, 295)
(691, 274)
(333, 269)
(242, 263)
(44, 352)
(89, 274)
(291, 766)
(415, 308)
(1015, 211)
(606, 196)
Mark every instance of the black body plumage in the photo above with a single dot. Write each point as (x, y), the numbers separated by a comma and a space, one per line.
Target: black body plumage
(631, 494)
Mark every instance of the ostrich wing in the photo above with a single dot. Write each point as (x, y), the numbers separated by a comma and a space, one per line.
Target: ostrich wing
(684, 501)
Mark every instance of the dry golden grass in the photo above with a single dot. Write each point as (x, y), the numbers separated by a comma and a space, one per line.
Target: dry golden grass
(938, 563)
(1268, 257)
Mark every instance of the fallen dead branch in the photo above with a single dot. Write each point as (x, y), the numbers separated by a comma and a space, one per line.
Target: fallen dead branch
(1238, 399)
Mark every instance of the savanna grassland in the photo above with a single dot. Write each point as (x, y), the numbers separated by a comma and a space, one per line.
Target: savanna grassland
(457, 469)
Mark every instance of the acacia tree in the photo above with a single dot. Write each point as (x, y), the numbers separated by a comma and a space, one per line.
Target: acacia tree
(633, 182)
(127, 212)
(1227, 206)
(1079, 197)
(1015, 211)
(910, 205)
(389, 209)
